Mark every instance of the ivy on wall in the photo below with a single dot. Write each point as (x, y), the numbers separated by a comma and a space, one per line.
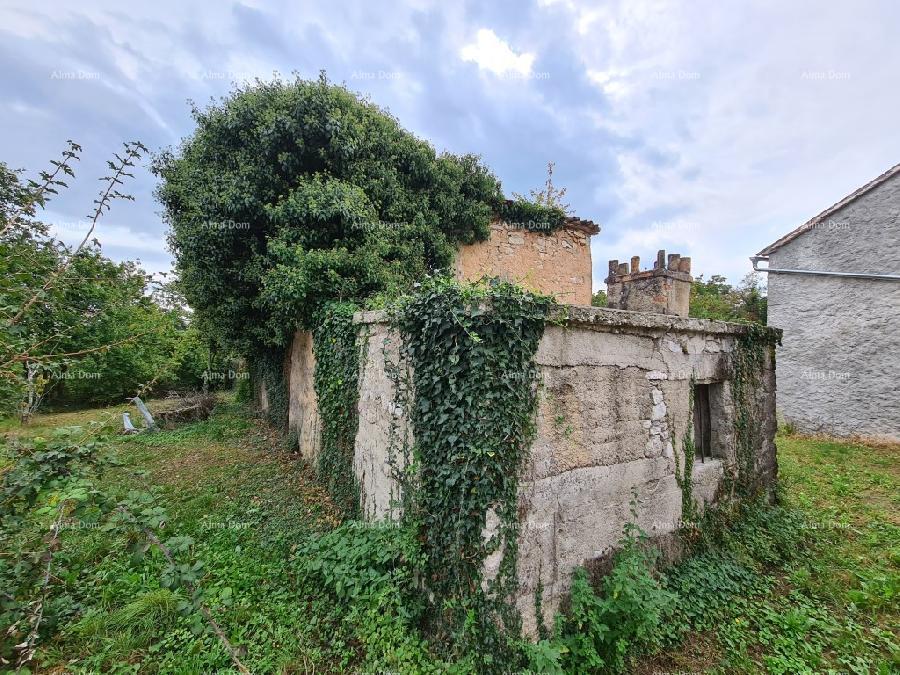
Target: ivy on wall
(531, 216)
(748, 361)
(336, 381)
(747, 364)
(267, 369)
(470, 349)
(684, 471)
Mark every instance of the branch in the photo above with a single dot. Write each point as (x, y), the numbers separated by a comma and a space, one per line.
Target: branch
(132, 152)
(37, 197)
(232, 652)
(28, 648)
(81, 352)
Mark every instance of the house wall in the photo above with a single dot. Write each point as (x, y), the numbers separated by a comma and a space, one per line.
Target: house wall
(556, 263)
(838, 363)
(615, 389)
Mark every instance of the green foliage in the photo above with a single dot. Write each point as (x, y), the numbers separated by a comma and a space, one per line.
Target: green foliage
(470, 348)
(598, 299)
(717, 299)
(53, 484)
(684, 469)
(372, 571)
(600, 631)
(747, 362)
(764, 589)
(93, 333)
(550, 196)
(337, 393)
(726, 587)
(266, 370)
(292, 194)
(707, 586)
(529, 215)
(131, 627)
(359, 562)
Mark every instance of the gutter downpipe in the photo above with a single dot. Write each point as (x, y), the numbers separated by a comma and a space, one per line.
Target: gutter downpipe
(851, 275)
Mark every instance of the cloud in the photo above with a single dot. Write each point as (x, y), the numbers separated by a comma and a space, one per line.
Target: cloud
(706, 128)
(494, 55)
(739, 122)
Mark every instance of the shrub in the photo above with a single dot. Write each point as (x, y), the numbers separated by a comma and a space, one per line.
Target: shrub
(372, 571)
(601, 630)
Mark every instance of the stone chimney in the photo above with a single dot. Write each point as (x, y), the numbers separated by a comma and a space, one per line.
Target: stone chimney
(666, 289)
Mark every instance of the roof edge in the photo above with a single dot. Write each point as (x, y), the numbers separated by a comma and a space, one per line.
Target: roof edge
(812, 222)
(571, 222)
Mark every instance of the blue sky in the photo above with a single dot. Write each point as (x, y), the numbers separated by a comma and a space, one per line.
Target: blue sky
(706, 128)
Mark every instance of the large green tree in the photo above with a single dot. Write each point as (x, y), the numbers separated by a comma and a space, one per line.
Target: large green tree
(291, 194)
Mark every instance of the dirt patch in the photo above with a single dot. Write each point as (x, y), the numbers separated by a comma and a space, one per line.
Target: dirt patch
(697, 654)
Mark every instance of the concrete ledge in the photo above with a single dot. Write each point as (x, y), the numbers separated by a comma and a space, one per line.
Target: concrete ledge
(604, 319)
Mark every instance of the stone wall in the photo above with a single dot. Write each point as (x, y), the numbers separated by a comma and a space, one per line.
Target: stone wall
(615, 391)
(665, 289)
(382, 423)
(556, 263)
(838, 371)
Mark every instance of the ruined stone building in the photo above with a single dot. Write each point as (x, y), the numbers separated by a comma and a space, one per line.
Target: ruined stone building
(615, 405)
(834, 287)
(555, 262)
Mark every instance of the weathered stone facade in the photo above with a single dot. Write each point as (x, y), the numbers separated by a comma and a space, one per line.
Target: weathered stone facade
(615, 393)
(556, 263)
(666, 289)
(614, 406)
(839, 362)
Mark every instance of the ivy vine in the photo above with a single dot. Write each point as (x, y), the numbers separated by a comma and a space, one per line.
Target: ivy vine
(266, 369)
(684, 474)
(336, 381)
(747, 363)
(531, 216)
(470, 349)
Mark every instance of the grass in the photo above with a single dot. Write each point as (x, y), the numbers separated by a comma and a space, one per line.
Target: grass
(246, 502)
(810, 587)
(831, 606)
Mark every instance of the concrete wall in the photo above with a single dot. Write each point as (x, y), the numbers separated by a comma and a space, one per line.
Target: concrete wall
(383, 426)
(839, 365)
(556, 263)
(303, 408)
(615, 387)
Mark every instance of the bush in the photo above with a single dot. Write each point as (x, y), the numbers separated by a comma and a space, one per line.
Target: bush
(601, 630)
(372, 572)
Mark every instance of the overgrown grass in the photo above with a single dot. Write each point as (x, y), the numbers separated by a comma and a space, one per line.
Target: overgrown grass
(807, 586)
(229, 485)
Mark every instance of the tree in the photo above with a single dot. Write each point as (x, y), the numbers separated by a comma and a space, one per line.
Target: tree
(75, 326)
(292, 194)
(716, 299)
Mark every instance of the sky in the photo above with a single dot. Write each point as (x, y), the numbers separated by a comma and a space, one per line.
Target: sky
(709, 129)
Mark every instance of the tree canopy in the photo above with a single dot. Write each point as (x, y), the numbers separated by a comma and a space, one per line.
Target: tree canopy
(292, 194)
(93, 336)
(716, 299)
